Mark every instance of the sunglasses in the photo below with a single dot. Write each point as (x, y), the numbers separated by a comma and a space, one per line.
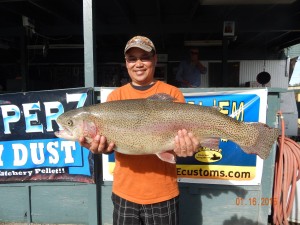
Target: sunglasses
(144, 58)
(194, 53)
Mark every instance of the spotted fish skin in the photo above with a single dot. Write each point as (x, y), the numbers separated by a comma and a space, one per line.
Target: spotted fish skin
(149, 126)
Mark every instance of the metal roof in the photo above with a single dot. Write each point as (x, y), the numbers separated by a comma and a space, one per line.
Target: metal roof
(264, 25)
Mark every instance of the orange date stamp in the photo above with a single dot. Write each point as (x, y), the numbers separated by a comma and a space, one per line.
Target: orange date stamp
(253, 201)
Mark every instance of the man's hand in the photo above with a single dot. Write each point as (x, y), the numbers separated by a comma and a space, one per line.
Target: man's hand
(99, 145)
(185, 144)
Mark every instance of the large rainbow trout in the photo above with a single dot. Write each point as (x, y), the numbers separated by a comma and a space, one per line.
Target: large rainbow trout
(149, 126)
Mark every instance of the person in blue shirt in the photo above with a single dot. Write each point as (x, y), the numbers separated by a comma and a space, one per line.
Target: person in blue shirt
(190, 71)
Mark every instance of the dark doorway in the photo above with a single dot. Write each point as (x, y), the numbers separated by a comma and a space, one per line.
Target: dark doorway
(215, 75)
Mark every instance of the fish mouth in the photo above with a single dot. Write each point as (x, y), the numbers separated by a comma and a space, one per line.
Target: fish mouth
(65, 133)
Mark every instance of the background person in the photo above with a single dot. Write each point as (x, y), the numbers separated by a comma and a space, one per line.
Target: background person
(145, 189)
(189, 71)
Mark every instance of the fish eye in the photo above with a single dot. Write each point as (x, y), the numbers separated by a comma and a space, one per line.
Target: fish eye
(70, 122)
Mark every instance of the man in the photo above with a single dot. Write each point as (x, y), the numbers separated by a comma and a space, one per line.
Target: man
(189, 71)
(145, 189)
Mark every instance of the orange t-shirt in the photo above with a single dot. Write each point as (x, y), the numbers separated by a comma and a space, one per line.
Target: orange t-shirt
(144, 179)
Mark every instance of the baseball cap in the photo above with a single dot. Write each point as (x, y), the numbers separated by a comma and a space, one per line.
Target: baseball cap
(140, 42)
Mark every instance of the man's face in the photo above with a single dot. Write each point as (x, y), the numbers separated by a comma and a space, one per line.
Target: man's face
(194, 54)
(141, 66)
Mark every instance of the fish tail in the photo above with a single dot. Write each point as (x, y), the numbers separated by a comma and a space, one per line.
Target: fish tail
(263, 144)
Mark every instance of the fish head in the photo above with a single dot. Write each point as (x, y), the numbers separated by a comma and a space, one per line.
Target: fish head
(73, 125)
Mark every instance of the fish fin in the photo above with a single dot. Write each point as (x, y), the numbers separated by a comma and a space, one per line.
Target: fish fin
(212, 143)
(266, 138)
(167, 157)
(162, 97)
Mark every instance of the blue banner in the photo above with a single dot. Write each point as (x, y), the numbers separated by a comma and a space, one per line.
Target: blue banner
(29, 150)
